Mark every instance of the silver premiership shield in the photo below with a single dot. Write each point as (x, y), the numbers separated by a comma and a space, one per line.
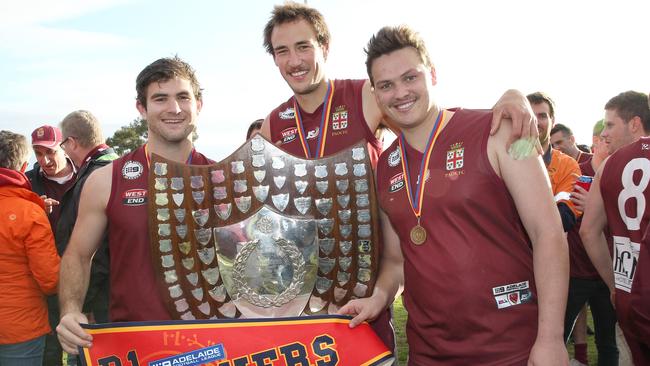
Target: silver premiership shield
(268, 235)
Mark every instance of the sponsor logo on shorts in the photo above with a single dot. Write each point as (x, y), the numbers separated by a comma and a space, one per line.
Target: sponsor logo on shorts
(512, 294)
(132, 170)
(134, 197)
(396, 183)
(287, 113)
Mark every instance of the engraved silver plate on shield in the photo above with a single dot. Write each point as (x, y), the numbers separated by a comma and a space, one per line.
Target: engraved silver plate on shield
(359, 170)
(301, 185)
(280, 201)
(363, 200)
(325, 226)
(259, 175)
(343, 200)
(258, 160)
(237, 167)
(219, 193)
(261, 192)
(217, 176)
(361, 185)
(321, 186)
(342, 185)
(163, 214)
(181, 231)
(345, 246)
(279, 181)
(203, 236)
(161, 199)
(185, 247)
(302, 204)
(358, 153)
(324, 205)
(257, 144)
(278, 162)
(240, 186)
(177, 183)
(196, 182)
(340, 169)
(243, 203)
(300, 170)
(320, 171)
(223, 210)
(161, 184)
(160, 168)
(198, 196)
(201, 216)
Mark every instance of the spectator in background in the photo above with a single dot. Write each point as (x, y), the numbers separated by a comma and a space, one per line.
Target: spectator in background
(53, 173)
(84, 144)
(562, 170)
(29, 264)
(562, 139)
(254, 128)
(585, 285)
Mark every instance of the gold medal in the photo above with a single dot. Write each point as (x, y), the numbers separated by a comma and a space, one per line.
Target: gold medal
(418, 235)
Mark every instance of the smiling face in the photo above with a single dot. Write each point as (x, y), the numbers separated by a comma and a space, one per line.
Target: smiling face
(617, 132)
(403, 87)
(171, 110)
(299, 56)
(544, 122)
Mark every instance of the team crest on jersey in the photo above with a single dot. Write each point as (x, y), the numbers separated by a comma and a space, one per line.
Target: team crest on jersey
(396, 183)
(132, 170)
(512, 294)
(340, 118)
(455, 156)
(313, 133)
(288, 113)
(394, 158)
(134, 197)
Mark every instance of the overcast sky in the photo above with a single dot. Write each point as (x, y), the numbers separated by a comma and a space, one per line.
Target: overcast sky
(64, 55)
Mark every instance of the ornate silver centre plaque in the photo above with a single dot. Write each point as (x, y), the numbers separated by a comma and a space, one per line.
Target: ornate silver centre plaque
(264, 233)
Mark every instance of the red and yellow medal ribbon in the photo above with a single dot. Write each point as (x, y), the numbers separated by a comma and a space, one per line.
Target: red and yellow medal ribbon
(416, 202)
(324, 123)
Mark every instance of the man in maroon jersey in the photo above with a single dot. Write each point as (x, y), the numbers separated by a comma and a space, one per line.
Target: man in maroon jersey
(585, 284)
(617, 201)
(115, 198)
(466, 262)
(562, 139)
(325, 116)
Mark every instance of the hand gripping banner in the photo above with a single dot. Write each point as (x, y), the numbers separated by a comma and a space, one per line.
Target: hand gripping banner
(263, 233)
(315, 340)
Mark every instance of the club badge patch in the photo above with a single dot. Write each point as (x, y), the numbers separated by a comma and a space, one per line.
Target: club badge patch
(340, 118)
(132, 170)
(455, 156)
(394, 158)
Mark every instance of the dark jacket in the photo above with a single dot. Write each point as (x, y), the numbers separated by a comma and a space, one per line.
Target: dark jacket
(99, 272)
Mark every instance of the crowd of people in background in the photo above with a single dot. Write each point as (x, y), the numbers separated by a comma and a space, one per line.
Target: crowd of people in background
(562, 229)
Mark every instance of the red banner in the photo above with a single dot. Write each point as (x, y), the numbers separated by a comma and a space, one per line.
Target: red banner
(317, 340)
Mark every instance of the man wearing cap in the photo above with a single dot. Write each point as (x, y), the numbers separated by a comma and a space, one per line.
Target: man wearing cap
(53, 172)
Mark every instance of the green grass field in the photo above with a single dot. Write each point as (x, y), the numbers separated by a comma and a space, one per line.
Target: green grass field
(402, 346)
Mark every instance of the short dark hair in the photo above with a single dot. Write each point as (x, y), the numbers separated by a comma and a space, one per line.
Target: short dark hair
(631, 104)
(14, 150)
(293, 12)
(162, 70)
(390, 39)
(540, 97)
(256, 125)
(566, 131)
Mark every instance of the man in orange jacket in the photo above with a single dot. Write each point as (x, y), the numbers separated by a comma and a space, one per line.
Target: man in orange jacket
(29, 264)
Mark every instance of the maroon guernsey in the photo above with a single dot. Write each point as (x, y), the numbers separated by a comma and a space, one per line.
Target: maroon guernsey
(469, 289)
(581, 266)
(134, 290)
(347, 124)
(624, 188)
(640, 302)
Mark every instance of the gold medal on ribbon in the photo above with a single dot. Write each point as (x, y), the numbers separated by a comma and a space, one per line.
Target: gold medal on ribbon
(418, 234)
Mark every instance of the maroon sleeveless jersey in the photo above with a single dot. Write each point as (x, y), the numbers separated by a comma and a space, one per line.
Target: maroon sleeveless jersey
(624, 188)
(469, 289)
(581, 266)
(134, 288)
(347, 124)
(640, 301)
